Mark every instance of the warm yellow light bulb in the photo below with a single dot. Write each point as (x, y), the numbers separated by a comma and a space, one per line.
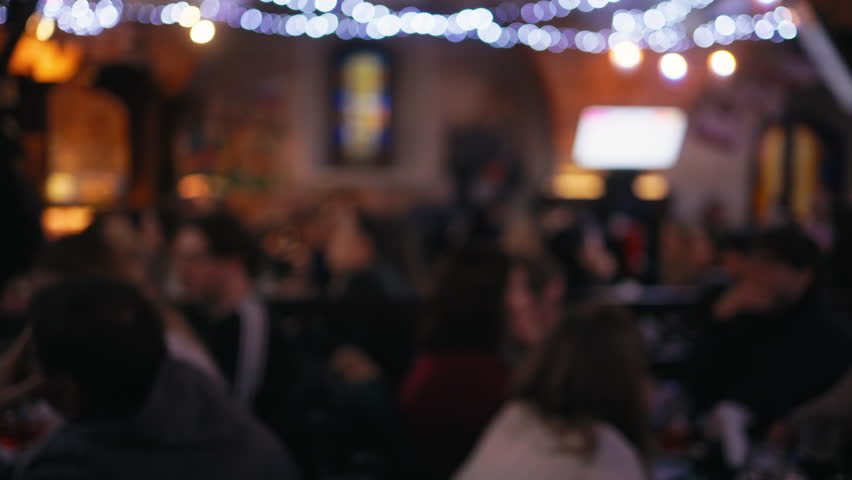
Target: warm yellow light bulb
(203, 32)
(45, 28)
(674, 66)
(190, 16)
(723, 63)
(626, 55)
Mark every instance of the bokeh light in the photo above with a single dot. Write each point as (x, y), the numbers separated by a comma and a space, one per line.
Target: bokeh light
(764, 29)
(45, 28)
(579, 186)
(325, 5)
(59, 221)
(626, 55)
(654, 19)
(210, 8)
(190, 16)
(673, 66)
(624, 22)
(61, 187)
(651, 187)
(725, 25)
(787, 30)
(703, 37)
(196, 185)
(251, 19)
(107, 14)
(363, 12)
(296, 25)
(202, 32)
(723, 63)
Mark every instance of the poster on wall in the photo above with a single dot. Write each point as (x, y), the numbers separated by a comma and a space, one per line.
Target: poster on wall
(796, 175)
(88, 147)
(229, 149)
(362, 108)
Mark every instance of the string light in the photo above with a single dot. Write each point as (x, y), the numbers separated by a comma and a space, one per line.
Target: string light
(787, 30)
(660, 28)
(673, 66)
(626, 55)
(202, 32)
(45, 28)
(190, 16)
(723, 63)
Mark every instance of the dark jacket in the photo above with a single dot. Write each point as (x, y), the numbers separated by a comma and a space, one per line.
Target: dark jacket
(187, 429)
(281, 402)
(772, 363)
(447, 401)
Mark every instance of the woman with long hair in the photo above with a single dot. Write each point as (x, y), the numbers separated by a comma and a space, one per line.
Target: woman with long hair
(579, 410)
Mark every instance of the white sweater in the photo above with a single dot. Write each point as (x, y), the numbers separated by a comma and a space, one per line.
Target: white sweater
(519, 446)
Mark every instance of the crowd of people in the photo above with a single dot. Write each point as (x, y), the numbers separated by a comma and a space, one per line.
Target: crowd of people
(187, 345)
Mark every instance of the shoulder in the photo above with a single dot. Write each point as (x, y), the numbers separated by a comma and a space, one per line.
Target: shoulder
(520, 444)
(65, 456)
(616, 456)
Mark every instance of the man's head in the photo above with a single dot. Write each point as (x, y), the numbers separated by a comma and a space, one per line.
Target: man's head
(100, 345)
(784, 261)
(209, 249)
(733, 254)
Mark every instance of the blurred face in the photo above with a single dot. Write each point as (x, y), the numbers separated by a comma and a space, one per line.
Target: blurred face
(152, 233)
(133, 256)
(734, 263)
(349, 249)
(532, 317)
(782, 282)
(198, 271)
(701, 249)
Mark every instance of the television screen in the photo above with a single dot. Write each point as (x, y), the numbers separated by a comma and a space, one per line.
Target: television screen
(629, 138)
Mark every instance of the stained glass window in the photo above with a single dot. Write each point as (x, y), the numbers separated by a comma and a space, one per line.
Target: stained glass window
(362, 109)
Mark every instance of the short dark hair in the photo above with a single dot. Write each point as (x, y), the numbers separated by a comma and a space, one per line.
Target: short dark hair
(789, 245)
(591, 370)
(467, 306)
(104, 335)
(739, 242)
(79, 254)
(227, 237)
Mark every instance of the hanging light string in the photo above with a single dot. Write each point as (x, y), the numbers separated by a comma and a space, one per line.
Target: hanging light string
(670, 12)
(660, 28)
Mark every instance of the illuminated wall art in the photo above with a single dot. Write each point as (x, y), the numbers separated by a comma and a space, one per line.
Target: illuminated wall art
(797, 168)
(88, 147)
(228, 148)
(362, 109)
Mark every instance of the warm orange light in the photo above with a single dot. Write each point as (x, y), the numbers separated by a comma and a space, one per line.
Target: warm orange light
(651, 187)
(579, 186)
(193, 186)
(61, 187)
(101, 188)
(45, 61)
(59, 221)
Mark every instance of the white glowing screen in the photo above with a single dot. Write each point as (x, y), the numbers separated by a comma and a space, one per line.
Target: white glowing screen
(629, 138)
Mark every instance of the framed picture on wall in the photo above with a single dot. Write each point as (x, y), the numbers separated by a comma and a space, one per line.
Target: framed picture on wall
(797, 174)
(362, 113)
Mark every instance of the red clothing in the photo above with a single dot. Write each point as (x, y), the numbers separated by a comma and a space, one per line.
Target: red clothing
(448, 399)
